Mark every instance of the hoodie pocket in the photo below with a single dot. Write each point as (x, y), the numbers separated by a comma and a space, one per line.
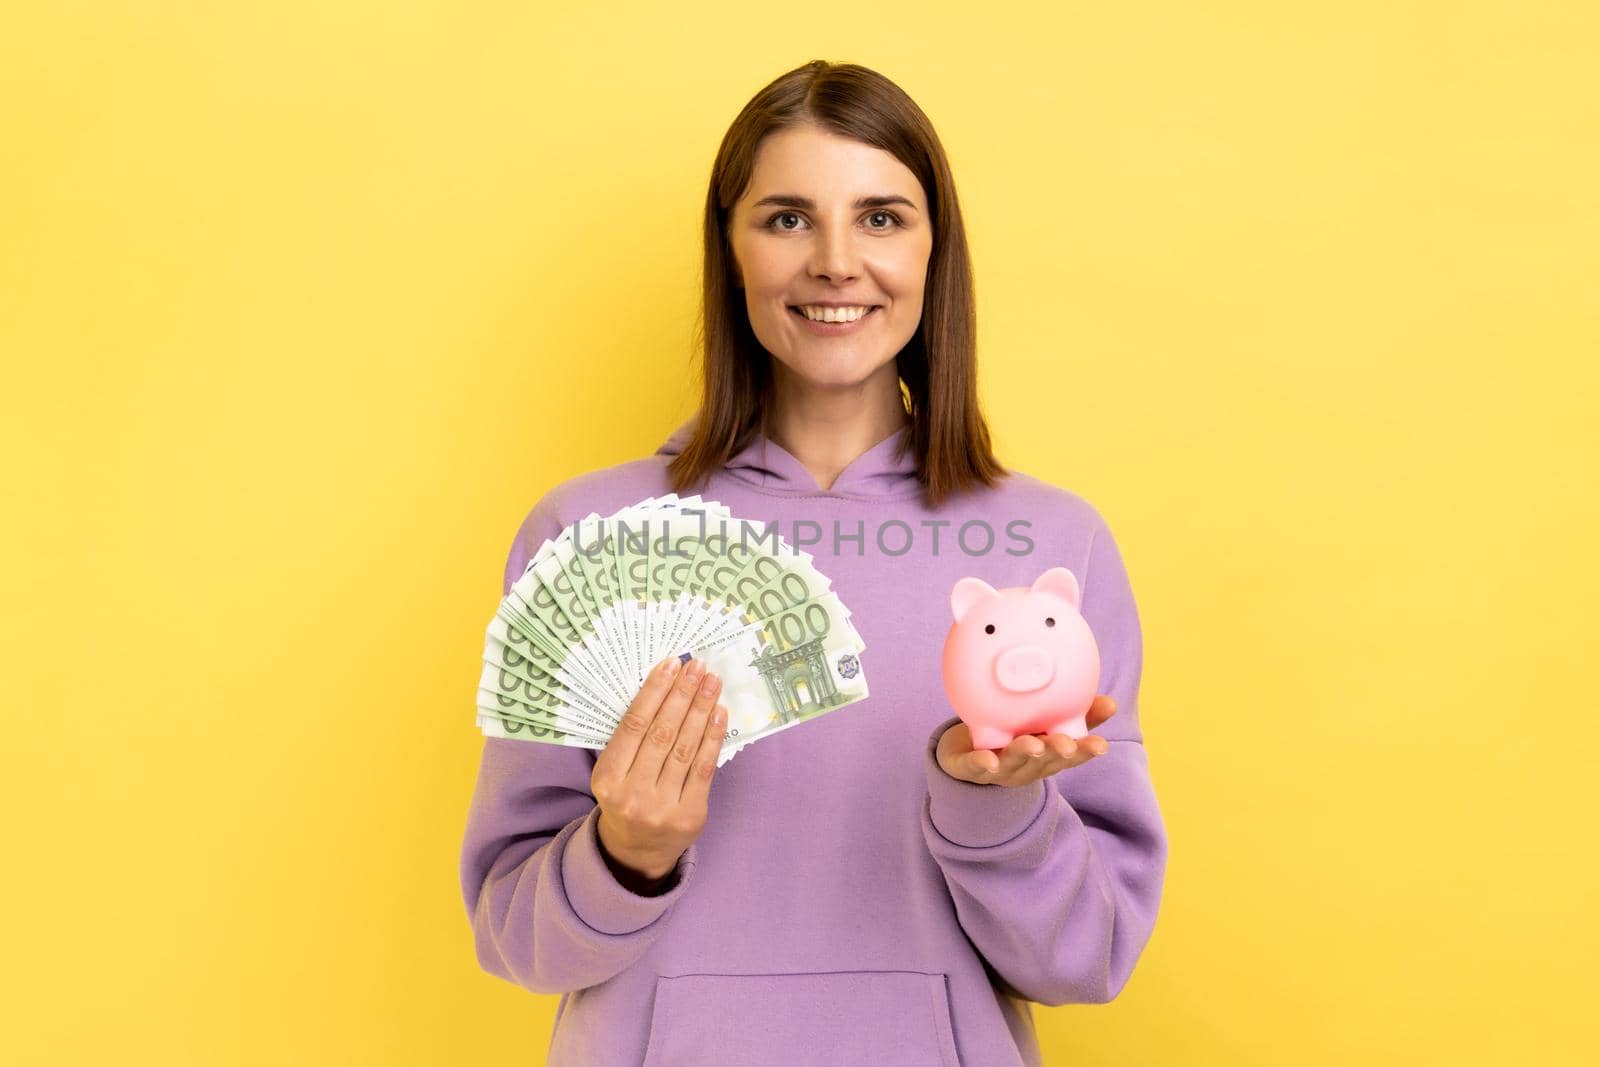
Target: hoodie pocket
(829, 1018)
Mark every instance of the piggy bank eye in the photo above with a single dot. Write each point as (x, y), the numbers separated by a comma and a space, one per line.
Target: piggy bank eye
(989, 629)
(1049, 621)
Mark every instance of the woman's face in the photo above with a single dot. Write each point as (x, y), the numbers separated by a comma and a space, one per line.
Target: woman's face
(802, 236)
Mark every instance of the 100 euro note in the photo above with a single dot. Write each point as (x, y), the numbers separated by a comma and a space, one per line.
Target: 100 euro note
(565, 674)
(578, 631)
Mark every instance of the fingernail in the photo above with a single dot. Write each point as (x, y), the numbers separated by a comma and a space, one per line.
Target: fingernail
(672, 665)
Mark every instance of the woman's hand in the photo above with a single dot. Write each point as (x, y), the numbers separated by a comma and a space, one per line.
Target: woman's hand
(652, 778)
(1028, 757)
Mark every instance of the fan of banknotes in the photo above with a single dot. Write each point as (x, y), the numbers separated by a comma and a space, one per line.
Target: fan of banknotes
(597, 607)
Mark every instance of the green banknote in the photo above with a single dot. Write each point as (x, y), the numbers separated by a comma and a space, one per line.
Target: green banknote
(606, 599)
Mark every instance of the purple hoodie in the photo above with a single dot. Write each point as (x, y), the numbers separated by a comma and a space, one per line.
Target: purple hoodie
(848, 901)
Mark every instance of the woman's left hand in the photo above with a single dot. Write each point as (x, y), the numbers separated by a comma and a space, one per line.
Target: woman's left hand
(1028, 757)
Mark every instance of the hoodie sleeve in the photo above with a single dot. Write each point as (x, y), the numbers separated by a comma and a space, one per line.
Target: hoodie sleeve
(547, 912)
(1057, 883)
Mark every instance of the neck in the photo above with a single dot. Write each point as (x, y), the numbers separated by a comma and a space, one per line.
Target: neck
(827, 429)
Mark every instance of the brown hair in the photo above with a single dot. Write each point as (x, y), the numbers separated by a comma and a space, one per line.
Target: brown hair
(937, 367)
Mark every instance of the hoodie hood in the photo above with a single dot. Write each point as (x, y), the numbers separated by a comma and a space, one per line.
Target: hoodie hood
(887, 469)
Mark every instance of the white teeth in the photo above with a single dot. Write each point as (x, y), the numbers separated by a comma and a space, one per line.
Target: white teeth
(834, 314)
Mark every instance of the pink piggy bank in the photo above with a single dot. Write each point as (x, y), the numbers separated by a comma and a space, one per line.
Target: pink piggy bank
(1020, 661)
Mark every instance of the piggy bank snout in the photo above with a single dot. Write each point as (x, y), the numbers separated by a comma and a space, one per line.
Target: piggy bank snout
(1024, 669)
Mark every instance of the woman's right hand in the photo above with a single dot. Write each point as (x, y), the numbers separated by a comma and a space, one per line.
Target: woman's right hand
(652, 778)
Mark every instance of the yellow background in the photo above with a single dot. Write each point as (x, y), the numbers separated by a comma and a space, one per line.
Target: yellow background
(302, 306)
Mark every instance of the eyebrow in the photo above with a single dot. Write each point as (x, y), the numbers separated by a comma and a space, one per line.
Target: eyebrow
(790, 200)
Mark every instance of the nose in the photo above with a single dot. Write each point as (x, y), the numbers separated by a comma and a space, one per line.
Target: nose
(1024, 669)
(835, 256)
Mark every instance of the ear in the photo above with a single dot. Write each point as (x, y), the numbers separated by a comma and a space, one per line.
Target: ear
(969, 591)
(1059, 582)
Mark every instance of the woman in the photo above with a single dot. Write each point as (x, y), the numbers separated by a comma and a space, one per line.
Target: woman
(865, 887)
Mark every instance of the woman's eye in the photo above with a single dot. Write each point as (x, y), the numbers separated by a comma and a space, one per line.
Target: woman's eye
(773, 222)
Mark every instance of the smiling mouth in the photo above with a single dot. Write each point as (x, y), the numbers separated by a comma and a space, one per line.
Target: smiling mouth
(872, 309)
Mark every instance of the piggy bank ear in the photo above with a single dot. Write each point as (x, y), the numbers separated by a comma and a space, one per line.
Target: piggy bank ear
(969, 591)
(1058, 581)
